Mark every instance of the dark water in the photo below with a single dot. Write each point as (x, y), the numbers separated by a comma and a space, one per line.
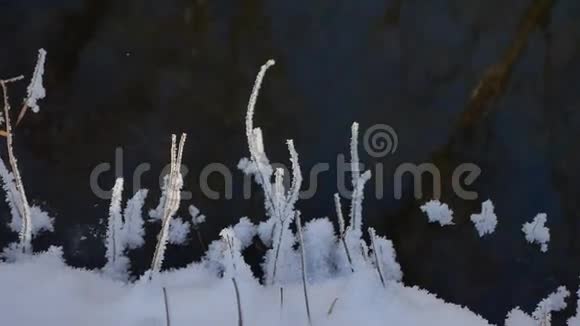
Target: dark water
(129, 73)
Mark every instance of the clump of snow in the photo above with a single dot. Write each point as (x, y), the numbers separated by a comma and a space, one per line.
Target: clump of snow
(543, 313)
(114, 245)
(266, 231)
(157, 212)
(575, 320)
(124, 231)
(387, 259)
(133, 230)
(486, 221)
(537, 232)
(554, 302)
(233, 262)
(41, 221)
(319, 246)
(516, 317)
(36, 89)
(438, 212)
(245, 231)
(196, 218)
(178, 231)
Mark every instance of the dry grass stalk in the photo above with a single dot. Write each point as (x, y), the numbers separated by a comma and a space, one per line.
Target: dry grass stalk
(303, 266)
(173, 197)
(22, 205)
(342, 228)
(166, 302)
(230, 243)
(373, 234)
(331, 308)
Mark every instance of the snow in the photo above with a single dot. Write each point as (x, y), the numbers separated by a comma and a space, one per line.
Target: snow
(42, 290)
(438, 212)
(196, 218)
(387, 259)
(537, 232)
(116, 264)
(486, 221)
(265, 231)
(575, 320)
(36, 89)
(554, 302)
(178, 231)
(347, 282)
(245, 232)
(42, 222)
(133, 214)
(517, 317)
(542, 316)
(320, 243)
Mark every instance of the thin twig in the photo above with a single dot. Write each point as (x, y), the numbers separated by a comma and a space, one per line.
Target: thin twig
(172, 200)
(24, 209)
(14, 79)
(281, 301)
(166, 301)
(372, 234)
(279, 244)
(230, 243)
(200, 238)
(23, 110)
(331, 308)
(342, 229)
(303, 265)
(238, 300)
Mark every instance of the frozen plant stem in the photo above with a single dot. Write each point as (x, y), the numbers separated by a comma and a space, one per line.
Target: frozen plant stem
(200, 239)
(331, 308)
(342, 229)
(303, 266)
(230, 243)
(277, 250)
(239, 303)
(23, 208)
(171, 203)
(167, 318)
(254, 135)
(373, 235)
(281, 301)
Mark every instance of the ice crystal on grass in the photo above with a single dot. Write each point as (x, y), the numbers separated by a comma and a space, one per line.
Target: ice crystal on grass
(438, 212)
(537, 232)
(486, 221)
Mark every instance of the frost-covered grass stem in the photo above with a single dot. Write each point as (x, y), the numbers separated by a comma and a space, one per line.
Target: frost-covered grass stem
(373, 235)
(342, 229)
(22, 206)
(166, 302)
(303, 266)
(171, 203)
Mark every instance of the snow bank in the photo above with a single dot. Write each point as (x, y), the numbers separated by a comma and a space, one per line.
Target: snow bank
(42, 290)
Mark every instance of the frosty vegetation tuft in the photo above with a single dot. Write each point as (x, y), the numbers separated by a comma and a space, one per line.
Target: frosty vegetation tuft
(312, 273)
